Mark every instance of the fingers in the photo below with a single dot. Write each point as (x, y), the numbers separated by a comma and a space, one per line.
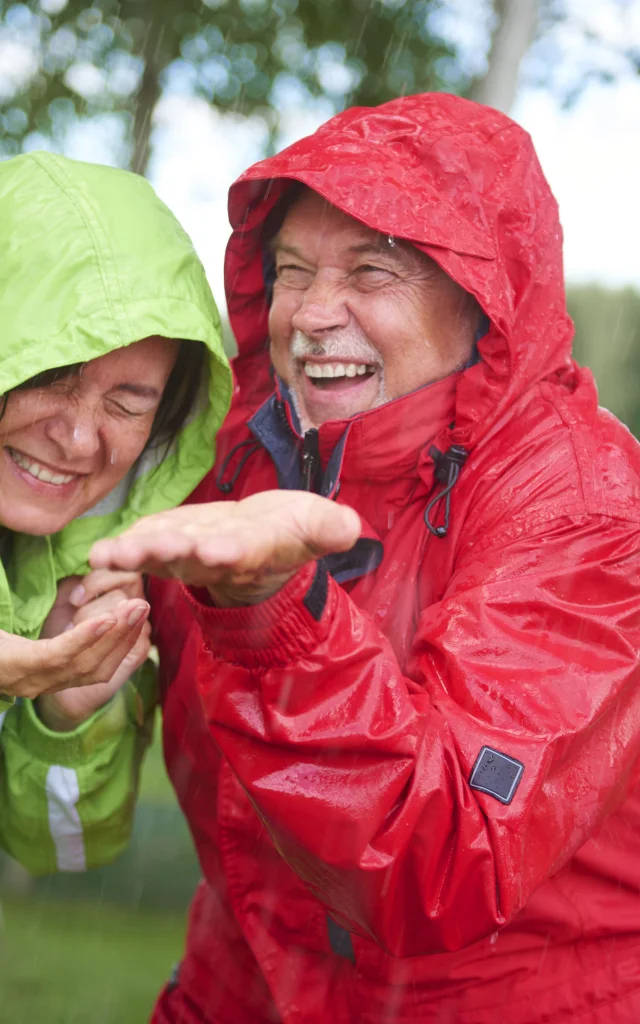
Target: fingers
(331, 528)
(100, 606)
(92, 650)
(283, 540)
(274, 532)
(131, 661)
(104, 581)
(66, 588)
(136, 551)
(59, 650)
(126, 658)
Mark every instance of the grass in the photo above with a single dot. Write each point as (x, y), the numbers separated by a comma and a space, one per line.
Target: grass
(155, 787)
(96, 948)
(74, 963)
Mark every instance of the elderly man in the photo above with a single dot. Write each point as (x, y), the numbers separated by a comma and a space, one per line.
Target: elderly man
(421, 800)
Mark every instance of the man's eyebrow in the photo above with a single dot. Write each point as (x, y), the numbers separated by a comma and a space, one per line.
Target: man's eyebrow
(277, 246)
(363, 249)
(370, 248)
(142, 390)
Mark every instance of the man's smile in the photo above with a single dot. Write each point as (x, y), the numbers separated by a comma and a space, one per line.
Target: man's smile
(336, 375)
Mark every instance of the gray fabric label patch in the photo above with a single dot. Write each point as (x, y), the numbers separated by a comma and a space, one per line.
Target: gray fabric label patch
(496, 774)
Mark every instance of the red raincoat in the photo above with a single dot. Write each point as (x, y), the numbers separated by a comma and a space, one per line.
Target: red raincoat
(414, 789)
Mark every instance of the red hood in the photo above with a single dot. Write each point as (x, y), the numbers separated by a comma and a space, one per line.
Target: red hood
(462, 183)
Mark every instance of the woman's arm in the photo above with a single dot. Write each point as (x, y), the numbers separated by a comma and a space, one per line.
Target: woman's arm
(67, 799)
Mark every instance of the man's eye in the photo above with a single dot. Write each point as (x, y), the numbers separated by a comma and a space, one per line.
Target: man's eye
(369, 276)
(291, 268)
(292, 274)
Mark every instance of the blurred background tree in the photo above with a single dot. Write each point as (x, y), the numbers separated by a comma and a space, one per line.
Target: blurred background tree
(113, 56)
(82, 60)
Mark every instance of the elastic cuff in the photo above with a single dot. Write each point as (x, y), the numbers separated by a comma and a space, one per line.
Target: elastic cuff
(71, 749)
(274, 632)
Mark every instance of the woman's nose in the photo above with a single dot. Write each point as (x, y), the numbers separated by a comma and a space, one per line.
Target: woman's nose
(76, 432)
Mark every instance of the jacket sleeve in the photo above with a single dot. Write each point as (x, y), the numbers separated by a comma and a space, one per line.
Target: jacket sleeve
(376, 786)
(67, 799)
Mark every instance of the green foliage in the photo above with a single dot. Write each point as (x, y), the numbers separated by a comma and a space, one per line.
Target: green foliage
(84, 963)
(608, 341)
(116, 56)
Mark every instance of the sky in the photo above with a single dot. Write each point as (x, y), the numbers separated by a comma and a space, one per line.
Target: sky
(590, 152)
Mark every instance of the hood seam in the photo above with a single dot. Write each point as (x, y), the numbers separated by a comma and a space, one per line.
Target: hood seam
(91, 221)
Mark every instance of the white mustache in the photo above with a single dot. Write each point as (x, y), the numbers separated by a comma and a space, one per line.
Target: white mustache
(344, 346)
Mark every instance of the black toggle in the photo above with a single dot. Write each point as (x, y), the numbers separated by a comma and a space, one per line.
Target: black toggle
(227, 486)
(448, 465)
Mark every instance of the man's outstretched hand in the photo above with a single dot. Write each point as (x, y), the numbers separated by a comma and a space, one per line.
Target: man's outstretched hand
(242, 551)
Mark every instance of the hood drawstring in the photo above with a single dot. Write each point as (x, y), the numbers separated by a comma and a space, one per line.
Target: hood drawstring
(448, 465)
(228, 485)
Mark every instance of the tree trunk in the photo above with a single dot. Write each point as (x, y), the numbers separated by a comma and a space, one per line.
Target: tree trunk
(513, 34)
(147, 97)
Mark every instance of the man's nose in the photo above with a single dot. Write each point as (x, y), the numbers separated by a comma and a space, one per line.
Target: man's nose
(323, 308)
(76, 432)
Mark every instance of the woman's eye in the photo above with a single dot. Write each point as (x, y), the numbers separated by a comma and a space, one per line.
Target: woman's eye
(126, 411)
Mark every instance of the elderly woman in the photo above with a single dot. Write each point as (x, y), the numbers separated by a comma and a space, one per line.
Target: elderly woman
(113, 383)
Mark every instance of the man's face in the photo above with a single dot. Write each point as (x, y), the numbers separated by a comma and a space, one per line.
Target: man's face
(357, 319)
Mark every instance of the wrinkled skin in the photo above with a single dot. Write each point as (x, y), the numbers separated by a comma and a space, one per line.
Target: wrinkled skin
(345, 293)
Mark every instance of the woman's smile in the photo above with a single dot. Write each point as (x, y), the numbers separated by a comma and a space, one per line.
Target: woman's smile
(67, 444)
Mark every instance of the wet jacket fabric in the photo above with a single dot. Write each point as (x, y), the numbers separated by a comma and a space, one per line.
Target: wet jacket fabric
(92, 261)
(414, 790)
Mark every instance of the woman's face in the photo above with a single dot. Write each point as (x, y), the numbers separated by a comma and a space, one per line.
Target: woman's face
(63, 447)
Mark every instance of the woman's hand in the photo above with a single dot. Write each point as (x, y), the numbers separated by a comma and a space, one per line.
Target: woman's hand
(85, 600)
(86, 654)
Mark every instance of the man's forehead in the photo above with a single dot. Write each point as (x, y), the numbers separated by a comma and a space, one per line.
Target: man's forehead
(333, 224)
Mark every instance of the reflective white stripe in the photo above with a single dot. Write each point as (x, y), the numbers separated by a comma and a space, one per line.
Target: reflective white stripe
(63, 794)
(2, 714)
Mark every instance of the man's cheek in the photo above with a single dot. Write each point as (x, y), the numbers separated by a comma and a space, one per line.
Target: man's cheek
(281, 359)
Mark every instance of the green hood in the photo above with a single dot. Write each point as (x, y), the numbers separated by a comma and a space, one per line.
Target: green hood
(92, 261)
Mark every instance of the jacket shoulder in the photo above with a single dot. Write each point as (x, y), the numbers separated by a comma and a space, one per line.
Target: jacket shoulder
(554, 455)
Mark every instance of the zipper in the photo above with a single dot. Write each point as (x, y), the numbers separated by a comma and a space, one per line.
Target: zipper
(310, 459)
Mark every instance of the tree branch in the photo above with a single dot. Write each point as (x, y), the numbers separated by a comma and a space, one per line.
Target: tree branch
(147, 96)
(514, 32)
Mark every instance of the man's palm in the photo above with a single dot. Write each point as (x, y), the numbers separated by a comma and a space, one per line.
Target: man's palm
(242, 551)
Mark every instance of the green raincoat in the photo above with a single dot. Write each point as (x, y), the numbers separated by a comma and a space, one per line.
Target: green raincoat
(91, 261)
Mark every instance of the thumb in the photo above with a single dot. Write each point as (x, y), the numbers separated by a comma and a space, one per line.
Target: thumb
(332, 527)
(12, 644)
